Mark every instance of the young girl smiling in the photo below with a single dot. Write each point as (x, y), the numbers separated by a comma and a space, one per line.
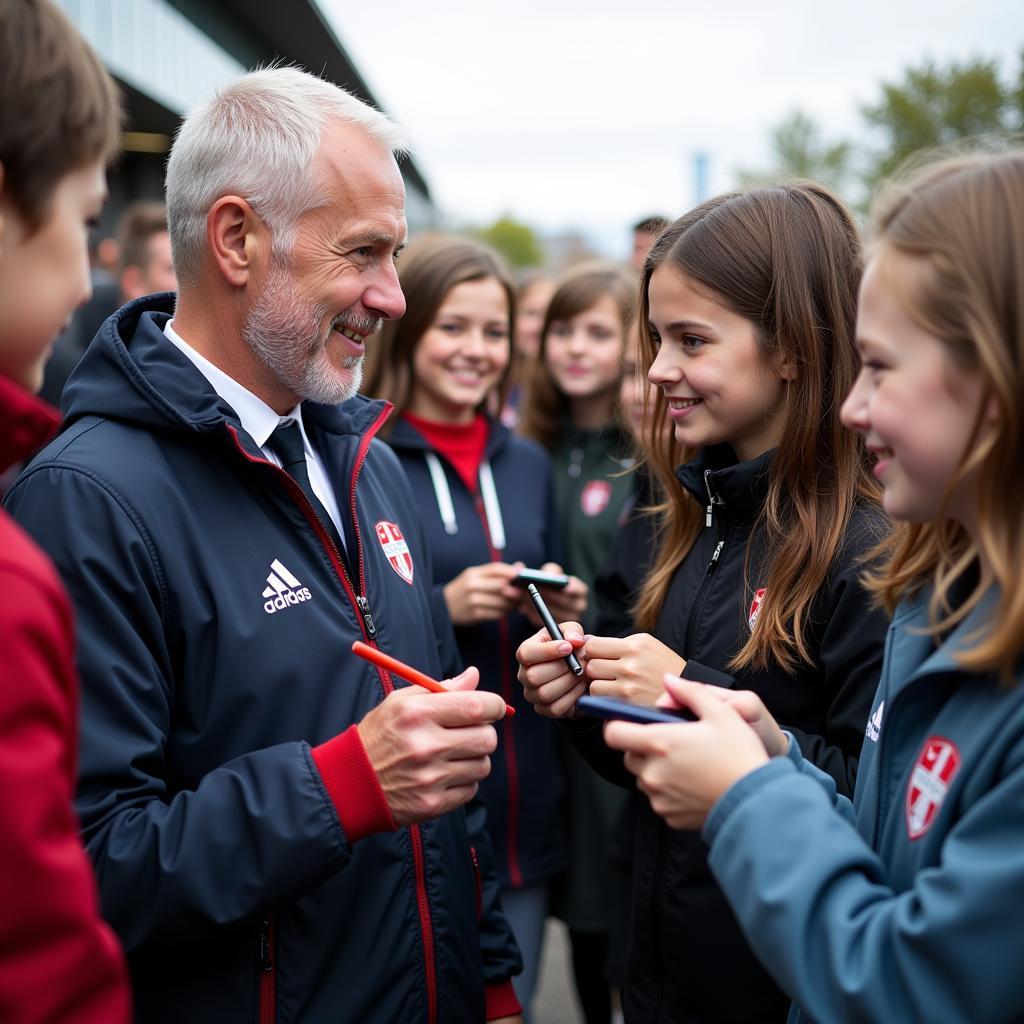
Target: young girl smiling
(906, 904)
(747, 328)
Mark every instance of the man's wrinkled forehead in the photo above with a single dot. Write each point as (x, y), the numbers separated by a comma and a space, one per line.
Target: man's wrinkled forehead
(351, 166)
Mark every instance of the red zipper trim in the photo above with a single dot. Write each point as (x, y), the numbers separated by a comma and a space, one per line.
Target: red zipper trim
(268, 974)
(479, 883)
(422, 901)
(426, 926)
(364, 447)
(423, 904)
(515, 873)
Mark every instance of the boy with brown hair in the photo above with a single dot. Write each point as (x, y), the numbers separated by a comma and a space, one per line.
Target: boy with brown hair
(59, 126)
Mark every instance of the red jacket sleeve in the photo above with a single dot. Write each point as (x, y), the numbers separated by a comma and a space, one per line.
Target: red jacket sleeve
(59, 961)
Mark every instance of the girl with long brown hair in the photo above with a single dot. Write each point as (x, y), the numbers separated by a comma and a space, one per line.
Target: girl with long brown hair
(747, 329)
(907, 904)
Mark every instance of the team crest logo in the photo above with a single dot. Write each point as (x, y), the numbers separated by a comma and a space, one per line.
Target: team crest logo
(930, 780)
(755, 608)
(397, 551)
(594, 497)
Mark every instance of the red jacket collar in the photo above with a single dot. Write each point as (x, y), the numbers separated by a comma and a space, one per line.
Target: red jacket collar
(26, 423)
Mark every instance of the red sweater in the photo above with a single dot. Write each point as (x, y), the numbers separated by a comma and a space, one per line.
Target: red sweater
(58, 960)
(462, 444)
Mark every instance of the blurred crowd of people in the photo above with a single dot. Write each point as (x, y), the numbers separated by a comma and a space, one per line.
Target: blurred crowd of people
(761, 479)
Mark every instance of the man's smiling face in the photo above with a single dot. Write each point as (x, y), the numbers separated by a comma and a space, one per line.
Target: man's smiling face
(319, 304)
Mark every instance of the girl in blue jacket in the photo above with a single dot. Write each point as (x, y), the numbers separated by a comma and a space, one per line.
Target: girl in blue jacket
(485, 502)
(905, 905)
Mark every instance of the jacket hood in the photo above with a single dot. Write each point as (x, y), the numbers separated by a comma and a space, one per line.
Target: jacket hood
(131, 373)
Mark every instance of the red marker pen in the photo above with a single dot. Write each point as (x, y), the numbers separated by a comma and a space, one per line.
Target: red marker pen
(382, 660)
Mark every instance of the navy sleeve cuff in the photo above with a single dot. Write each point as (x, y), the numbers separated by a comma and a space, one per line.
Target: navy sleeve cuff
(702, 674)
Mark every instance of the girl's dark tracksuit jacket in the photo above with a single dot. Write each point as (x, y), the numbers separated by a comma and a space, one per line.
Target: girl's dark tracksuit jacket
(509, 522)
(689, 960)
(244, 852)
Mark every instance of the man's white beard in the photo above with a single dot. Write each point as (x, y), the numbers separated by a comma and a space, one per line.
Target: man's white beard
(286, 335)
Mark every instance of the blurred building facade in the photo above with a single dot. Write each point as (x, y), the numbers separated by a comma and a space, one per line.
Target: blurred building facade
(169, 55)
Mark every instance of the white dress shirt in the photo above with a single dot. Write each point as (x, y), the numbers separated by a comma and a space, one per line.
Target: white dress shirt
(259, 421)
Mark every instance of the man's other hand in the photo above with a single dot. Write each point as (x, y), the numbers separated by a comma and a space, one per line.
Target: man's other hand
(430, 750)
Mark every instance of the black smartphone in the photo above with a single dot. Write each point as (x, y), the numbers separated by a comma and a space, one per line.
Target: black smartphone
(541, 579)
(609, 707)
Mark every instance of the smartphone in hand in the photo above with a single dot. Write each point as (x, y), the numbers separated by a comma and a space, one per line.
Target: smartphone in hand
(524, 577)
(609, 707)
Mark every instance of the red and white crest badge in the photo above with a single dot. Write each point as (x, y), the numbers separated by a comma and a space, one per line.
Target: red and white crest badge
(933, 774)
(755, 607)
(594, 497)
(397, 551)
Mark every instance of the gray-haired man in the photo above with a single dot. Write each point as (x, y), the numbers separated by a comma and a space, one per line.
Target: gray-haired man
(278, 832)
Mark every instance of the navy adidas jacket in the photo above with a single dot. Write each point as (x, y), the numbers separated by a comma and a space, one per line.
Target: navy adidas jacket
(220, 853)
(523, 793)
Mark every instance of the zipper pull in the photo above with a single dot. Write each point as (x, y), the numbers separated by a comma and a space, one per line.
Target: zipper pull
(266, 963)
(714, 557)
(364, 610)
(713, 500)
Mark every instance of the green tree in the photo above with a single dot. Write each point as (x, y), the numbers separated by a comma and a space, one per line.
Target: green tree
(936, 106)
(799, 150)
(516, 242)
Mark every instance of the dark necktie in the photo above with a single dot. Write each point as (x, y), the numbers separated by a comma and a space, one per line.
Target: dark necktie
(286, 443)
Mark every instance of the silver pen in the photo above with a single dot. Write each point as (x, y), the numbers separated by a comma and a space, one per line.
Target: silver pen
(553, 631)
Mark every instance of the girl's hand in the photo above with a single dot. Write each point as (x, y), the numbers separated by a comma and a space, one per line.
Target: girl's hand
(631, 668)
(482, 593)
(568, 603)
(684, 769)
(750, 707)
(548, 684)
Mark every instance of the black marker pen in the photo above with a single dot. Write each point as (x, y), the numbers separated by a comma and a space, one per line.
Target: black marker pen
(553, 631)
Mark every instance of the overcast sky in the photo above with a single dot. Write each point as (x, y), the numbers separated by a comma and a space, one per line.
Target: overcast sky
(587, 114)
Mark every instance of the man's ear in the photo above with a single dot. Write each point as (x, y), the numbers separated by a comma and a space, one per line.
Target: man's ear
(236, 237)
